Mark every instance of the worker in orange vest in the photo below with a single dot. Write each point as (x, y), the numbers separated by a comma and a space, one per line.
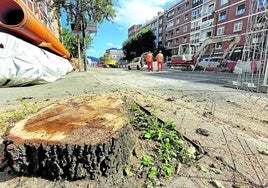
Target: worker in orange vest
(149, 61)
(160, 60)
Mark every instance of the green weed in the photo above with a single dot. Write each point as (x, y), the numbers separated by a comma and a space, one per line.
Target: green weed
(13, 115)
(169, 148)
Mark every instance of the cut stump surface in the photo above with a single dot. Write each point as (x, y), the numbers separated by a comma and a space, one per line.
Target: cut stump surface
(74, 138)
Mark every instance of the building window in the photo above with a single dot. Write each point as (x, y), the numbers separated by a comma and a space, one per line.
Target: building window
(184, 39)
(262, 3)
(224, 2)
(170, 14)
(240, 9)
(187, 5)
(185, 29)
(222, 16)
(218, 45)
(220, 31)
(238, 26)
(177, 31)
(178, 20)
(179, 9)
(211, 8)
(196, 13)
(170, 24)
(186, 16)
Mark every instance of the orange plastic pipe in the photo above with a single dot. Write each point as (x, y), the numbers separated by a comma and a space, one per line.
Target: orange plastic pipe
(18, 18)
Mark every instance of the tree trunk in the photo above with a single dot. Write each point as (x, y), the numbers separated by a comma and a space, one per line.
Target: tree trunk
(73, 139)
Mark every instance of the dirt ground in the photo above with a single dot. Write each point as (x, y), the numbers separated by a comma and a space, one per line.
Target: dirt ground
(234, 133)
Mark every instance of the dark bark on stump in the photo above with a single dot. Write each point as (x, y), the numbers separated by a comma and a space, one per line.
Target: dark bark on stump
(71, 161)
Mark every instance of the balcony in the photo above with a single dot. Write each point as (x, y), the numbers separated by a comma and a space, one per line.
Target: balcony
(196, 16)
(195, 29)
(194, 41)
(206, 25)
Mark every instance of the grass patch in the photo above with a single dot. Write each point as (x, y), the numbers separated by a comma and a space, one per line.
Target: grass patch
(11, 116)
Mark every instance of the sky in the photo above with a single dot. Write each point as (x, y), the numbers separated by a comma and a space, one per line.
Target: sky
(129, 12)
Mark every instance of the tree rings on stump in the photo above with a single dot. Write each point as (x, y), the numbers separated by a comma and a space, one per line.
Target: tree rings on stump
(82, 137)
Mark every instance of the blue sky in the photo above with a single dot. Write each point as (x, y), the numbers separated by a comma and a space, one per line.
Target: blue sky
(129, 12)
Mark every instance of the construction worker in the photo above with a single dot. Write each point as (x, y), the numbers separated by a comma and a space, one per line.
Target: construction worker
(149, 61)
(160, 60)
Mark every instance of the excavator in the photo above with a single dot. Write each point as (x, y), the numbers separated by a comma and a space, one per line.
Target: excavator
(189, 55)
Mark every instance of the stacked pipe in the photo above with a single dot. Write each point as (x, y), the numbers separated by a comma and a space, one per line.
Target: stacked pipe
(17, 18)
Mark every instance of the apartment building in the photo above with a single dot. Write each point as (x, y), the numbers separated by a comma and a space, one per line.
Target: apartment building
(193, 21)
(178, 24)
(115, 53)
(43, 13)
(156, 25)
(133, 30)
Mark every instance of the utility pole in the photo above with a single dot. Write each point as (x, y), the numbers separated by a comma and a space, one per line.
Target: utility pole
(79, 53)
(84, 44)
(82, 27)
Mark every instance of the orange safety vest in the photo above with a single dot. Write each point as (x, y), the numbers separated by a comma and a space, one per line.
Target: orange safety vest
(160, 57)
(149, 57)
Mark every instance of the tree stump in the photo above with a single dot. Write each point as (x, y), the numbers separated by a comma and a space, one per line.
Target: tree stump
(75, 138)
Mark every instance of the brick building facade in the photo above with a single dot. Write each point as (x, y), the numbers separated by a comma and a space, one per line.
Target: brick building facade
(193, 21)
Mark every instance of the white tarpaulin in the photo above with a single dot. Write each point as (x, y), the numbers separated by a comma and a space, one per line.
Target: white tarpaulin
(22, 63)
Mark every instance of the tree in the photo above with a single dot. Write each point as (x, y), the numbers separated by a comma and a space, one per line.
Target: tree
(144, 41)
(82, 11)
(70, 40)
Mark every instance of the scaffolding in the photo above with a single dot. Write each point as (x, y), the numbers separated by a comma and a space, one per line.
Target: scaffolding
(252, 69)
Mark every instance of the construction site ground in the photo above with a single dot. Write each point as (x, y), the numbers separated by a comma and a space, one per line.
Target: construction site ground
(230, 124)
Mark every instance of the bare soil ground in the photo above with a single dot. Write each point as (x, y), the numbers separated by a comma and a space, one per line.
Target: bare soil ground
(232, 127)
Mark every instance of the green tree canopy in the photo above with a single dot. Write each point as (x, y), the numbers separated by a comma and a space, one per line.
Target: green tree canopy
(83, 10)
(80, 12)
(144, 41)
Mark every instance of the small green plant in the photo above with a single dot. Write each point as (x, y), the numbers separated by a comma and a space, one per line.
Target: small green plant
(147, 160)
(169, 145)
(127, 171)
(16, 115)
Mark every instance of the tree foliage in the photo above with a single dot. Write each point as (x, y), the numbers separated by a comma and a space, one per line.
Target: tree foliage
(70, 40)
(93, 10)
(84, 10)
(144, 41)
(80, 12)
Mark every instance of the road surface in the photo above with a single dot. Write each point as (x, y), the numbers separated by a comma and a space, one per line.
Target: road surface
(236, 120)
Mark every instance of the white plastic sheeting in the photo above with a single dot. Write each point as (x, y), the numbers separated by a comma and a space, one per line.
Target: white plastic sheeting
(22, 63)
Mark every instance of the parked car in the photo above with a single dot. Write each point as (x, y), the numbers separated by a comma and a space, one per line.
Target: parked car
(122, 63)
(138, 63)
(210, 63)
